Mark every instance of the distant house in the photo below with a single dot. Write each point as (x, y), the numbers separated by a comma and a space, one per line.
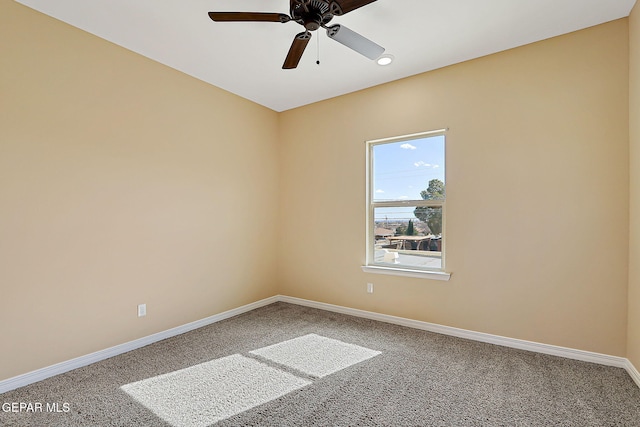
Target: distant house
(382, 233)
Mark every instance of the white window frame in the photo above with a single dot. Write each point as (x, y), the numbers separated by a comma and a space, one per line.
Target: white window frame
(401, 270)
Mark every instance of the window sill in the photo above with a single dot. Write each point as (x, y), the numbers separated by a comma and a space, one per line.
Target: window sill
(421, 274)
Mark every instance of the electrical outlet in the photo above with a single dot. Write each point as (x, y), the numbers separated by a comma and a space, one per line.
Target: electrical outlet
(142, 310)
(369, 288)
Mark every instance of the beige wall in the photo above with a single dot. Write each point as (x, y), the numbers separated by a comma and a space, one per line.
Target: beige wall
(633, 343)
(537, 193)
(121, 182)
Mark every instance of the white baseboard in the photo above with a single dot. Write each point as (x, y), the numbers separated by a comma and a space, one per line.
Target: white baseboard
(60, 368)
(570, 353)
(78, 362)
(633, 372)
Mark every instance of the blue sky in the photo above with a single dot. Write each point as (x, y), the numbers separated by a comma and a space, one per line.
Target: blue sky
(403, 169)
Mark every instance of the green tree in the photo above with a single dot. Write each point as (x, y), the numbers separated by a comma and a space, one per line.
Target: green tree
(406, 230)
(435, 191)
(432, 216)
(410, 229)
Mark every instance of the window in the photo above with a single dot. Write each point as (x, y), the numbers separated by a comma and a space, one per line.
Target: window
(406, 205)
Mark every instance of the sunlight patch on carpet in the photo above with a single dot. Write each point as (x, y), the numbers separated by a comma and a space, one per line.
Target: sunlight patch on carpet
(204, 394)
(315, 355)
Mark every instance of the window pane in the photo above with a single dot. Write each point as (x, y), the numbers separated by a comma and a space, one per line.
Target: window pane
(409, 170)
(408, 236)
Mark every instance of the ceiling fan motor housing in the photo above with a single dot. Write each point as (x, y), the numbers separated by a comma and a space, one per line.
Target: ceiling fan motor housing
(313, 14)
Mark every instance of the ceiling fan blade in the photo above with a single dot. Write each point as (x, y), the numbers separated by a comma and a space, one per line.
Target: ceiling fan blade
(347, 6)
(296, 50)
(355, 41)
(248, 16)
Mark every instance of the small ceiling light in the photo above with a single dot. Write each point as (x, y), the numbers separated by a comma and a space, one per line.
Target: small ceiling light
(385, 59)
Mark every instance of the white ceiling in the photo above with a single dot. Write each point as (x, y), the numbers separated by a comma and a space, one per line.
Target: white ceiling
(246, 58)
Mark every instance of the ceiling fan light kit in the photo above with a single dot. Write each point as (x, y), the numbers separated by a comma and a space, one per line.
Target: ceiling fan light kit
(312, 15)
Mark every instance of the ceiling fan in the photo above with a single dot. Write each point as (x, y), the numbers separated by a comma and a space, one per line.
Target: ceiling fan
(311, 14)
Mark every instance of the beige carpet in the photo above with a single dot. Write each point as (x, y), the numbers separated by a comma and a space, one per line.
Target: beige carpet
(286, 365)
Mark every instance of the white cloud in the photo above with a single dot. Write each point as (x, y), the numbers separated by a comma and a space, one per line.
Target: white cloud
(421, 163)
(408, 146)
(379, 191)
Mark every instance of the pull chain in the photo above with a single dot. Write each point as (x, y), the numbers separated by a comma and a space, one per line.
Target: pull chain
(318, 50)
